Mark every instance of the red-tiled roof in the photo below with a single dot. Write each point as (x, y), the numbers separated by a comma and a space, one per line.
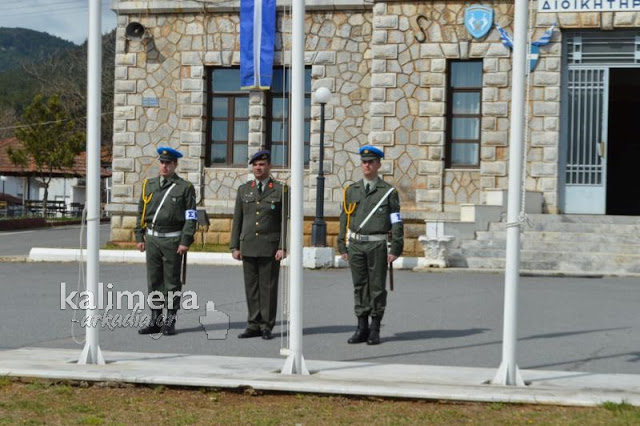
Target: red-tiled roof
(79, 167)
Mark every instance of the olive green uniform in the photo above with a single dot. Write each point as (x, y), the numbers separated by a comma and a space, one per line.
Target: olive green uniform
(163, 261)
(259, 231)
(368, 259)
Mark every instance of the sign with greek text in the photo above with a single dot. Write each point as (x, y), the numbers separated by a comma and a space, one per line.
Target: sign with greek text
(588, 5)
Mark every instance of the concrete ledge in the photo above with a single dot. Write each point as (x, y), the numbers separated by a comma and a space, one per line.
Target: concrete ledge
(39, 254)
(328, 377)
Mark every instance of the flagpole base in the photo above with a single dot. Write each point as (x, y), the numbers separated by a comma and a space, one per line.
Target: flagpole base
(502, 376)
(91, 355)
(291, 368)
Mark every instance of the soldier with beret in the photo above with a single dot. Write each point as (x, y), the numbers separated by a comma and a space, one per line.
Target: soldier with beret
(370, 213)
(165, 226)
(258, 238)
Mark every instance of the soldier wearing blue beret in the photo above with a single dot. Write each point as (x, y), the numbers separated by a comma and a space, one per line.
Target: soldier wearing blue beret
(370, 218)
(165, 226)
(258, 238)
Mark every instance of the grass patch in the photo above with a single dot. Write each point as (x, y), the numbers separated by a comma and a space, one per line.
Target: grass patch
(42, 402)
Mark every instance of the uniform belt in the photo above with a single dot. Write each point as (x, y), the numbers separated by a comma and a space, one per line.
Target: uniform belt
(370, 237)
(164, 234)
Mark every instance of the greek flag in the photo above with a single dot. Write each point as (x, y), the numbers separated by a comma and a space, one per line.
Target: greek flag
(535, 47)
(257, 40)
(505, 37)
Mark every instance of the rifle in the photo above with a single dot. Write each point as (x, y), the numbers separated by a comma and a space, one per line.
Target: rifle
(183, 273)
(390, 263)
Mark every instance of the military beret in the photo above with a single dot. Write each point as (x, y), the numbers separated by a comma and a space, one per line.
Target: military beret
(168, 154)
(370, 152)
(261, 155)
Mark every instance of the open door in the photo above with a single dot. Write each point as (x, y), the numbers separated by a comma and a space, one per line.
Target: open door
(623, 192)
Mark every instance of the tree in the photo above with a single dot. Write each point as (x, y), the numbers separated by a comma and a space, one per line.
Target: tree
(49, 139)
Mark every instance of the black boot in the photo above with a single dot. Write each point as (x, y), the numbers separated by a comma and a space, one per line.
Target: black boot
(155, 324)
(362, 332)
(169, 328)
(374, 335)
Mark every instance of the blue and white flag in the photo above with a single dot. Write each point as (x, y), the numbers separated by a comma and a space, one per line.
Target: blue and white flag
(505, 37)
(535, 47)
(257, 42)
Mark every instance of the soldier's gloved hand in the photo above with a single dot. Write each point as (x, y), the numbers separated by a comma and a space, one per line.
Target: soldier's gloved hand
(345, 257)
(391, 258)
(182, 249)
(141, 246)
(281, 254)
(236, 254)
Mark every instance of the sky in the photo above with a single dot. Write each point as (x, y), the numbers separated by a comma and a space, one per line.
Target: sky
(67, 19)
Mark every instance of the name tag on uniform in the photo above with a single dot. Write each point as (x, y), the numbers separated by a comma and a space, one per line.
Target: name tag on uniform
(395, 218)
(191, 215)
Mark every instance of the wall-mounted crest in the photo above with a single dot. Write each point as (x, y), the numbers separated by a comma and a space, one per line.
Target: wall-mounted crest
(478, 20)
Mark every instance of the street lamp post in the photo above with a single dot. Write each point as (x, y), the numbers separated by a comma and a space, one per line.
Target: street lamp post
(319, 227)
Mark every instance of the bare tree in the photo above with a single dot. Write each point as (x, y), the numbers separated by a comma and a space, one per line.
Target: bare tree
(65, 76)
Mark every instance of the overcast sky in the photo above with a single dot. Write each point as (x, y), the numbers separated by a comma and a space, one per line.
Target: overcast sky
(67, 19)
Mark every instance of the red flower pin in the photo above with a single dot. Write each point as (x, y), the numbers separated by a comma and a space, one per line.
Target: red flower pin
(270, 185)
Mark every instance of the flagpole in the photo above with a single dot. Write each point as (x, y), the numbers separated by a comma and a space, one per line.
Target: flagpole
(295, 361)
(508, 373)
(91, 353)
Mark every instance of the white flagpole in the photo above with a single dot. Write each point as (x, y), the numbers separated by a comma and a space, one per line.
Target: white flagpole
(295, 361)
(508, 373)
(91, 353)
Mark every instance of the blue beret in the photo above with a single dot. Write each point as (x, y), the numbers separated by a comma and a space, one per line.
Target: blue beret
(370, 152)
(261, 155)
(168, 154)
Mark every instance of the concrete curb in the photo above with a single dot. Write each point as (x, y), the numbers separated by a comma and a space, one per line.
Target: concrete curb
(328, 377)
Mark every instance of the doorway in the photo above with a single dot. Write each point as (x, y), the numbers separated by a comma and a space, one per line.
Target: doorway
(623, 186)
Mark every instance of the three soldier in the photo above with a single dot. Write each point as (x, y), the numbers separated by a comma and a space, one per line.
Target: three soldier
(370, 239)
(165, 226)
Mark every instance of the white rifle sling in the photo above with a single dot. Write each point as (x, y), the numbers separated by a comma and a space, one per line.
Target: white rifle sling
(166, 194)
(366, 219)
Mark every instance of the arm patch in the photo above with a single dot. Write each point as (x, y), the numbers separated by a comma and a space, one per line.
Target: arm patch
(190, 215)
(395, 218)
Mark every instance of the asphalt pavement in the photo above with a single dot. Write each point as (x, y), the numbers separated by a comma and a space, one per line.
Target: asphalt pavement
(446, 319)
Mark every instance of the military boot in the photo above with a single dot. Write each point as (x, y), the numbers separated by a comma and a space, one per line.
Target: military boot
(362, 332)
(155, 324)
(374, 335)
(169, 328)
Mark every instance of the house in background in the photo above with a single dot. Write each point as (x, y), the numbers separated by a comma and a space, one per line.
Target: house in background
(67, 187)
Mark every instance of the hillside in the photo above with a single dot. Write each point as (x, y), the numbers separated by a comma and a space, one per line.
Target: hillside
(20, 45)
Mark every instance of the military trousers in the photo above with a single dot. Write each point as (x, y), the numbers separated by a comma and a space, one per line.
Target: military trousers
(368, 263)
(163, 268)
(261, 288)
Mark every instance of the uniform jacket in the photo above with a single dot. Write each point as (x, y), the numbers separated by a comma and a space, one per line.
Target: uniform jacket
(172, 215)
(380, 222)
(260, 220)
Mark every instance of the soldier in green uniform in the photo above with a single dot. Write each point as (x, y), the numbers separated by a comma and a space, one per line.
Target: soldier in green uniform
(258, 238)
(165, 226)
(370, 210)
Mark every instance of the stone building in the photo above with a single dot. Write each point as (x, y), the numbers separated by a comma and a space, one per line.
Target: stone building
(406, 76)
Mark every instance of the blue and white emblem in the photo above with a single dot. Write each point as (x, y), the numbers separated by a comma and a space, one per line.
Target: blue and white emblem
(191, 215)
(478, 20)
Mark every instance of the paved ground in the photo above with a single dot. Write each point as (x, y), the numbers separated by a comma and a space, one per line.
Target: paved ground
(18, 243)
(452, 318)
(450, 323)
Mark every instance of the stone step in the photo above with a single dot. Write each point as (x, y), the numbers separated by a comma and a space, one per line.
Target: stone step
(570, 245)
(584, 218)
(578, 237)
(558, 261)
(609, 228)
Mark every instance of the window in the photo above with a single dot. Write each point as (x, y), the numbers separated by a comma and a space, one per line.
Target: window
(279, 110)
(463, 114)
(227, 119)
